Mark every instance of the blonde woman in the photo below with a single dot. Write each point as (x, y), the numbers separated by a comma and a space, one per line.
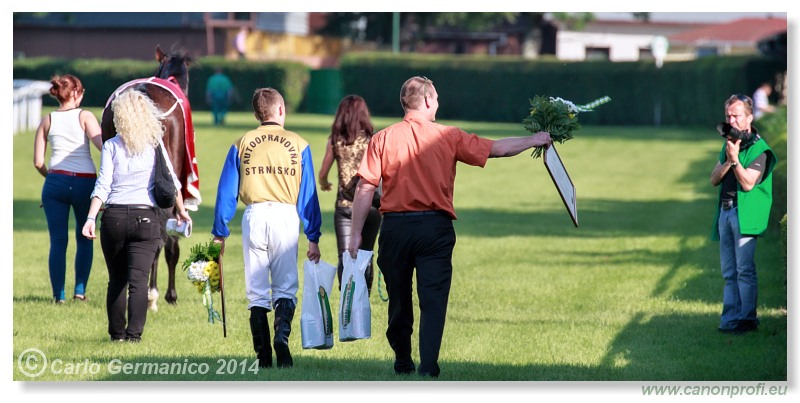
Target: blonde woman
(130, 234)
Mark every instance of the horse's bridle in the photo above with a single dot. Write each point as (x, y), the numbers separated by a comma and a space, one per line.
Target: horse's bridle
(171, 78)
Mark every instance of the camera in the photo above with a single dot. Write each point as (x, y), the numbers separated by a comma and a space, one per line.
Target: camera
(725, 130)
(748, 138)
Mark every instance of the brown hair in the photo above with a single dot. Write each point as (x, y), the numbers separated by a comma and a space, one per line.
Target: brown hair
(64, 85)
(351, 118)
(264, 102)
(748, 103)
(414, 91)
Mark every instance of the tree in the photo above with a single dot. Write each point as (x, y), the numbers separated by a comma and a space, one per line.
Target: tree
(360, 27)
(377, 27)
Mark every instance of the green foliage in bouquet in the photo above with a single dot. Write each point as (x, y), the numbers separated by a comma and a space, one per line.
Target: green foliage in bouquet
(208, 252)
(556, 116)
(553, 116)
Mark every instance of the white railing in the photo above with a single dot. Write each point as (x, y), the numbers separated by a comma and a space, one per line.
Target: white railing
(28, 103)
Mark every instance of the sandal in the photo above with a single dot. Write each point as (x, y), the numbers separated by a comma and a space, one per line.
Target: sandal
(80, 297)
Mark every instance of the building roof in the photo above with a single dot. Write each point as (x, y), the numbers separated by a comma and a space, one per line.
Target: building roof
(639, 27)
(105, 20)
(745, 31)
(703, 17)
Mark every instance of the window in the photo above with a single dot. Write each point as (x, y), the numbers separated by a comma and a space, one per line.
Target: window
(703, 51)
(597, 54)
(646, 54)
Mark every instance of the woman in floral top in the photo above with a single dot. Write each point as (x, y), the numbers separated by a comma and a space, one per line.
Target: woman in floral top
(350, 135)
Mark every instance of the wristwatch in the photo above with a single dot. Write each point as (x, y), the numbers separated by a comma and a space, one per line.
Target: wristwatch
(734, 164)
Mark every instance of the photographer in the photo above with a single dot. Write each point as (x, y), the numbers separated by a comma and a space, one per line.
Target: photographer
(744, 176)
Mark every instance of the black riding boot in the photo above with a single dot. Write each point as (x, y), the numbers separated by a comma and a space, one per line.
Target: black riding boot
(284, 312)
(259, 327)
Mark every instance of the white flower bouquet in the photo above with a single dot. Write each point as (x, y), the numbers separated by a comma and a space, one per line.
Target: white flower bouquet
(202, 268)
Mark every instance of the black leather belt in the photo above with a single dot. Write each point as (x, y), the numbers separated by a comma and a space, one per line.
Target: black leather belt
(413, 213)
(728, 204)
(130, 206)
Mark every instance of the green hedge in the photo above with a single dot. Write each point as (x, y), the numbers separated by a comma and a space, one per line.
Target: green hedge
(290, 78)
(784, 238)
(470, 87)
(499, 88)
(102, 76)
(773, 127)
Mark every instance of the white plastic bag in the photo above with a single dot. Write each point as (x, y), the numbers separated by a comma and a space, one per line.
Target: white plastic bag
(316, 319)
(354, 311)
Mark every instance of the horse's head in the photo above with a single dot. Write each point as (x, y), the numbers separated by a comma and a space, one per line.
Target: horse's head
(174, 65)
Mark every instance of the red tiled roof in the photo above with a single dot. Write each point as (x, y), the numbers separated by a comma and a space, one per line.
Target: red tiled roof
(745, 30)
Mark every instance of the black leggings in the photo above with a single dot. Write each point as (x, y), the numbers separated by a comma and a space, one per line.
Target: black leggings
(342, 218)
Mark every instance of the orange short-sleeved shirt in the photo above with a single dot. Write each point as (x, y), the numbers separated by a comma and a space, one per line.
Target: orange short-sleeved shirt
(416, 159)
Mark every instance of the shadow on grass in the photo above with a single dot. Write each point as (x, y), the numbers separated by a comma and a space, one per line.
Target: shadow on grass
(658, 348)
(32, 298)
(597, 218)
(28, 216)
(689, 348)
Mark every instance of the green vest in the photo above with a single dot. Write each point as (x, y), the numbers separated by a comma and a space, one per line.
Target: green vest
(754, 206)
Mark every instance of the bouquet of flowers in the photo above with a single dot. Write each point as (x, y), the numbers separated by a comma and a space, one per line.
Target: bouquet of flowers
(556, 116)
(203, 271)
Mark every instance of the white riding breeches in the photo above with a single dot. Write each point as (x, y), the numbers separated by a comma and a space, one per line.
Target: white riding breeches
(270, 233)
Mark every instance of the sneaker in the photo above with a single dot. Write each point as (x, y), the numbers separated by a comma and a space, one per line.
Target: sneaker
(746, 326)
(80, 297)
(741, 328)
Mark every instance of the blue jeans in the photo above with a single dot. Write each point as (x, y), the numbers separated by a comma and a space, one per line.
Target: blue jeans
(219, 108)
(737, 259)
(59, 194)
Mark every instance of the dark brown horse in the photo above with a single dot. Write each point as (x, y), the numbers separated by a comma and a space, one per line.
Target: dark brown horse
(173, 67)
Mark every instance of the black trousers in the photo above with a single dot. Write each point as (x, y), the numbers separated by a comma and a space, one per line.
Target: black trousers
(130, 238)
(342, 217)
(424, 242)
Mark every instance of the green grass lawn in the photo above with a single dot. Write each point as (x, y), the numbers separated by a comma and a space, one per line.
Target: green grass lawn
(633, 294)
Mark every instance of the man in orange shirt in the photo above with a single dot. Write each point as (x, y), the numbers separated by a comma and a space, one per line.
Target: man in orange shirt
(416, 159)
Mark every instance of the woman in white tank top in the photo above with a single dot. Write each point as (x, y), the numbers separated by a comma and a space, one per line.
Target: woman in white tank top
(69, 180)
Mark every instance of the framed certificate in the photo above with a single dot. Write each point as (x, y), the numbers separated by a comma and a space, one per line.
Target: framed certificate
(562, 181)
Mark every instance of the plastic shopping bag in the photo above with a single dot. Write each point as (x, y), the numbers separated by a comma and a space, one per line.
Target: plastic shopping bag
(316, 319)
(354, 312)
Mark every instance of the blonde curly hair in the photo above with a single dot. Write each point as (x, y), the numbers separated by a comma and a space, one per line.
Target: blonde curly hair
(137, 120)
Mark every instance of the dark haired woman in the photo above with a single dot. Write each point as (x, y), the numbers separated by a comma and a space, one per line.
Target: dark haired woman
(350, 134)
(69, 180)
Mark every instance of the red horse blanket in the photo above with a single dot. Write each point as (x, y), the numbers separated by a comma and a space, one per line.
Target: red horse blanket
(190, 183)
